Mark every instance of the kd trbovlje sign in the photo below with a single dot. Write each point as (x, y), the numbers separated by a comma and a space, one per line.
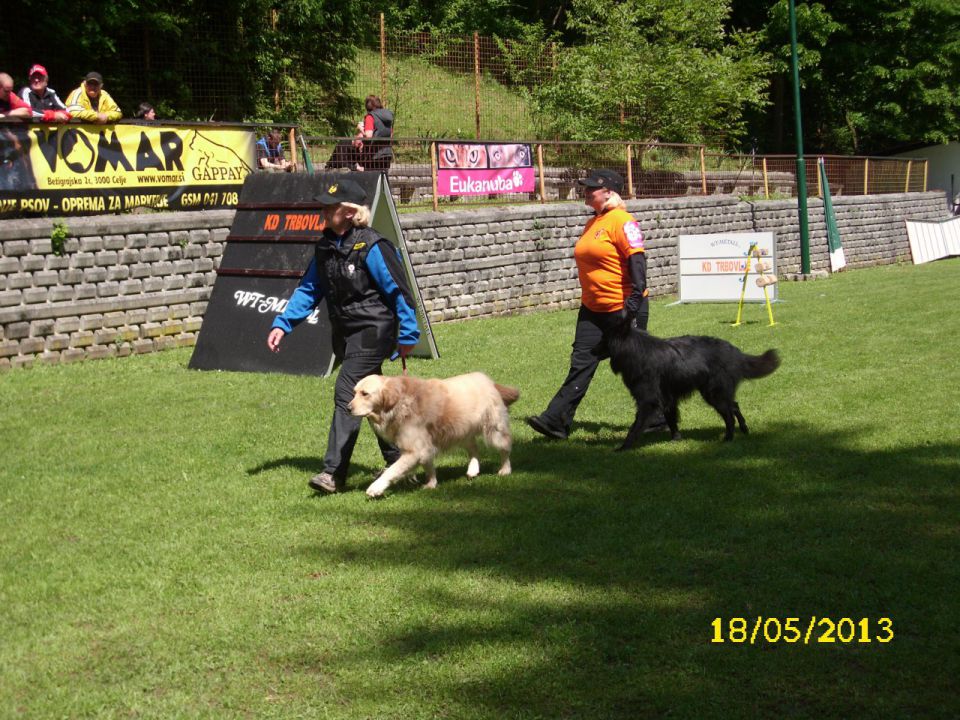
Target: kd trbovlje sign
(712, 266)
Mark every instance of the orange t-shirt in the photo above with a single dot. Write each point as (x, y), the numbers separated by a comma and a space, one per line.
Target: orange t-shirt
(601, 254)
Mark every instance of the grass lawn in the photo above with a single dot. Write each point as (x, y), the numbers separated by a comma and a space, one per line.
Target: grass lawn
(430, 101)
(163, 557)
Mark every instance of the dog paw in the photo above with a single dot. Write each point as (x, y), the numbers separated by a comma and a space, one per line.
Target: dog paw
(505, 469)
(676, 436)
(377, 489)
(473, 469)
(430, 484)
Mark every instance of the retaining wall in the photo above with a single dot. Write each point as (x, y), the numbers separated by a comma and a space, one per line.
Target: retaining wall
(140, 283)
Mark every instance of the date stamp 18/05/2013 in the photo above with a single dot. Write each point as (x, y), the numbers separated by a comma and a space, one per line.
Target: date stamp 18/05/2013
(812, 631)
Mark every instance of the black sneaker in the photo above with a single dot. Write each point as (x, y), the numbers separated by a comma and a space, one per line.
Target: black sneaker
(325, 483)
(541, 427)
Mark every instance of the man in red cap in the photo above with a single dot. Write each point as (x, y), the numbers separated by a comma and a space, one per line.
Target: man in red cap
(45, 103)
(91, 103)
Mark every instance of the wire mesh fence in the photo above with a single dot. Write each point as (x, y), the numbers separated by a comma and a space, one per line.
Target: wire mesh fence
(650, 170)
(454, 86)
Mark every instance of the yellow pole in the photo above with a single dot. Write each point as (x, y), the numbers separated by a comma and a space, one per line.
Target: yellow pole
(926, 166)
(819, 180)
(906, 184)
(766, 185)
(866, 175)
(769, 308)
(743, 288)
(630, 170)
(703, 171)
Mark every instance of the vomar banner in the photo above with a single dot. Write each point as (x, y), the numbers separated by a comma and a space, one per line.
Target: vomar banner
(87, 169)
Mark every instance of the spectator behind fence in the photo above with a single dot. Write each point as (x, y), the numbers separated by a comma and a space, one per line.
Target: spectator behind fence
(373, 136)
(91, 103)
(43, 101)
(270, 153)
(11, 106)
(145, 111)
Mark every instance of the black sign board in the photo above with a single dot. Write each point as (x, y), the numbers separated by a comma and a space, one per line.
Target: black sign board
(269, 247)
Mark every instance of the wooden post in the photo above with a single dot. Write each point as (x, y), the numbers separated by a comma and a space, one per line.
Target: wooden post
(476, 77)
(906, 184)
(819, 179)
(926, 167)
(866, 175)
(383, 61)
(274, 14)
(630, 170)
(433, 173)
(292, 139)
(703, 170)
(543, 185)
(766, 183)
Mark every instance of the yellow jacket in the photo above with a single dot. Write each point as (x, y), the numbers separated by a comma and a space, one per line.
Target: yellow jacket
(80, 107)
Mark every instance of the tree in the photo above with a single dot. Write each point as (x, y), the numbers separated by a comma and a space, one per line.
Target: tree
(662, 70)
(196, 59)
(874, 73)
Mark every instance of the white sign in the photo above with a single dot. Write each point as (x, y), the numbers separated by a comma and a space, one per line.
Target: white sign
(933, 240)
(712, 267)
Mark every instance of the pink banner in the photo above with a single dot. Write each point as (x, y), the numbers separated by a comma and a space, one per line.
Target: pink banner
(485, 182)
(484, 169)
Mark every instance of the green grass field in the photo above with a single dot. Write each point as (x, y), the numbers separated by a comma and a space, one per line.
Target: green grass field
(163, 557)
(432, 102)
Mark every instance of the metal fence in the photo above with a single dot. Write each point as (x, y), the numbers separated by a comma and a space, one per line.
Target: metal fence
(454, 86)
(650, 171)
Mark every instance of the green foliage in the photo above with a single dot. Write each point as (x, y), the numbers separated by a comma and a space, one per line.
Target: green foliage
(666, 70)
(873, 75)
(163, 557)
(58, 236)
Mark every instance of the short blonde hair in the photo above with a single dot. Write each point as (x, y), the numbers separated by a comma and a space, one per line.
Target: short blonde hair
(362, 216)
(614, 201)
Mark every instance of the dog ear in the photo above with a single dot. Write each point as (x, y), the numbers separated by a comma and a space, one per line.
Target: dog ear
(389, 393)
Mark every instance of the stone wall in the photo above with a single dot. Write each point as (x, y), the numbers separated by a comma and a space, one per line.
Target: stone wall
(124, 284)
(139, 283)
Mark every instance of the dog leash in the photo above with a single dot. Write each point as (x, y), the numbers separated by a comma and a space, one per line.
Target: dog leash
(403, 360)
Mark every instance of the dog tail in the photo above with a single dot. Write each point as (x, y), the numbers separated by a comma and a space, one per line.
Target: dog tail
(758, 366)
(509, 395)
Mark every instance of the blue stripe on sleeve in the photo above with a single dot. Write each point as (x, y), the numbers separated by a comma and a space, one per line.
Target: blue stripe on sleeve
(303, 301)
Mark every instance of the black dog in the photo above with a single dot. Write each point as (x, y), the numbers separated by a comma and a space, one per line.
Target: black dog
(659, 372)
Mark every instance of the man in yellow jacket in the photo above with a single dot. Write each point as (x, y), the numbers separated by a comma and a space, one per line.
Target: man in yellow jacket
(91, 103)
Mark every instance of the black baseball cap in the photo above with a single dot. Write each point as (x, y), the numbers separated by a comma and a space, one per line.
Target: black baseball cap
(340, 191)
(95, 76)
(603, 178)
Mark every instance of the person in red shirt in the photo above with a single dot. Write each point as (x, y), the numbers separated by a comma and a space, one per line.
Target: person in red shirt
(11, 106)
(612, 267)
(373, 136)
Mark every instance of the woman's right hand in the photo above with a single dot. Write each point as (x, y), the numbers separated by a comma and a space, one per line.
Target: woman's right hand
(274, 338)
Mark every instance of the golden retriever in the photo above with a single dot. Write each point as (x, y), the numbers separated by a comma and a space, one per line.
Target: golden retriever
(423, 417)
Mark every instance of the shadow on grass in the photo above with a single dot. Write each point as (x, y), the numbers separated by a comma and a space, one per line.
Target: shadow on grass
(601, 581)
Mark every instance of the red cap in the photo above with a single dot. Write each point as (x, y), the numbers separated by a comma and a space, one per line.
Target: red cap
(38, 69)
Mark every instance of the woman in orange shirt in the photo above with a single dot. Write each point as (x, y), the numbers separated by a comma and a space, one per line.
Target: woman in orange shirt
(612, 266)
